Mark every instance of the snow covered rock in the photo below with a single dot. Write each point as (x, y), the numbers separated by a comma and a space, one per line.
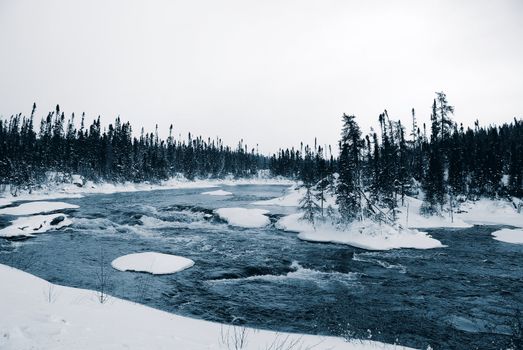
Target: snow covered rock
(365, 235)
(30, 225)
(218, 193)
(242, 217)
(509, 236)
(154, 263)
(37, 208)
(77, 180)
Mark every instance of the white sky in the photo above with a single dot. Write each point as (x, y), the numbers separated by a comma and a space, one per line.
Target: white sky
(273, 72)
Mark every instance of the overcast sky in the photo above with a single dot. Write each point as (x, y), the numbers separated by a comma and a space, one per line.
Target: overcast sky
(273, 72)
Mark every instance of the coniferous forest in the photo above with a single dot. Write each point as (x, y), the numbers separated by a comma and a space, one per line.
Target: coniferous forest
(447, 161)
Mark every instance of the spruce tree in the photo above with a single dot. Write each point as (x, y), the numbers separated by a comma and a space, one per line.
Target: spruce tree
(349, 191)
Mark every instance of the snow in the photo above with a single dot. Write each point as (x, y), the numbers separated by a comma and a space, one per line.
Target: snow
(365, 235)
(491, 212)
(218, 193)
(242, 217)
(290, 199)
(28, 226)
(409, 215)
(36, 208)
(509, 235)
(77, 180)
(154, 263)
(36, 196)
(480, 212)
(39, 315)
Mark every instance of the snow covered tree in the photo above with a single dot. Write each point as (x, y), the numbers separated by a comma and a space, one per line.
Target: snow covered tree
(308, 204)
(349, 189)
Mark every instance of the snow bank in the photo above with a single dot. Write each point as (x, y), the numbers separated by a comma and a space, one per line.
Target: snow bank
(155, 263)
(481, 212)
(39, 315)
(218, 193)
(491, 212)
(36, 208)
(366, 235)
(28, 226)
(409, 215)
(509, 236)
(290, 199)
(248, 218)
(36, 196)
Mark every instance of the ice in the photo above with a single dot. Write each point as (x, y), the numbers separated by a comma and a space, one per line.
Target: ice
(509, 235)
(218, 193)
(37, 208)
(365, 234)
(39, 315)
(242, 217)
(30, 225)
(152, 262)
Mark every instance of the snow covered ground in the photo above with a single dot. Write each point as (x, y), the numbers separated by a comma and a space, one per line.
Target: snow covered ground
(509, 236)
(151, 262)
(39, 315)
(366, 234)
(242, 217)
(32, 208)
(218, 193)
(292, 198)
(28, 226)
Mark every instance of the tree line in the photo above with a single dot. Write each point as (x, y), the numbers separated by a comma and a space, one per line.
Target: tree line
(112, 153)
(446, 165)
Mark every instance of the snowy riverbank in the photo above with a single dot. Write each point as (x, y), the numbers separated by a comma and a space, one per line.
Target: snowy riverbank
(76, 187)
(39, 315)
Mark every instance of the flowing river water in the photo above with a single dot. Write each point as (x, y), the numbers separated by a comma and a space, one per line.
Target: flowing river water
(463, 296)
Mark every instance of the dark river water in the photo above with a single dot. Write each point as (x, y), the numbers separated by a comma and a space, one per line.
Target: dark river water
(463, 296)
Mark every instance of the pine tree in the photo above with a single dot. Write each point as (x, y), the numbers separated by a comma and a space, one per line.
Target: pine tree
(349, 189)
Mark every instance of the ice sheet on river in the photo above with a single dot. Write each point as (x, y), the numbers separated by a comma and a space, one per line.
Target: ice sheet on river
(154, 263)
(30, 225)
(366, 235)
(39, 315)
(242, 217)
(36, 208)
